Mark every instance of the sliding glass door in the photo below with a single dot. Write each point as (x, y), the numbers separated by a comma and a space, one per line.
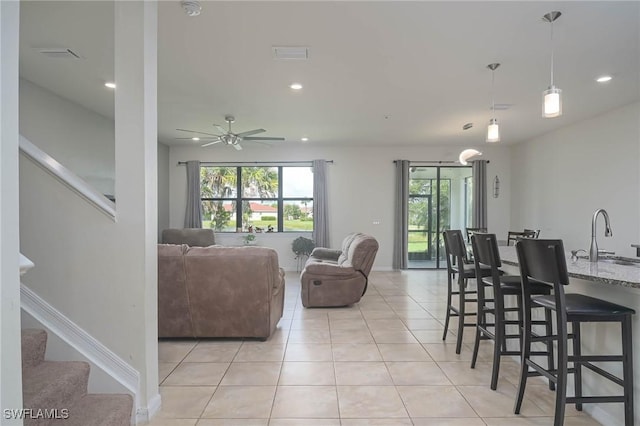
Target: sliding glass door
(439, 199)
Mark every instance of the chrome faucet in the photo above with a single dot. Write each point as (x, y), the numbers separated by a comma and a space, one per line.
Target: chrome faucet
(593, 250)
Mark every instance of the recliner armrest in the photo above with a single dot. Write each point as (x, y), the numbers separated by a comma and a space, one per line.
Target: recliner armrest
(326, 254)
(328, 269)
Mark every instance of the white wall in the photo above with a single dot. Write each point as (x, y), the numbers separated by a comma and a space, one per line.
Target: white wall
(163, 188)
(361, 187)
(564, 176)
(10, 359)
(102, 273)
(79, 139)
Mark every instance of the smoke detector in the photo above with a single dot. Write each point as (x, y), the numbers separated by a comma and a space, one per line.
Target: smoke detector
(191, 8)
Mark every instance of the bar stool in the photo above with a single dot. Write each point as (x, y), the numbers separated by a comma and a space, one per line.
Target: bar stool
(458, 263)
(486, 254)
(544, 260)
(471, 231)
(517, 235)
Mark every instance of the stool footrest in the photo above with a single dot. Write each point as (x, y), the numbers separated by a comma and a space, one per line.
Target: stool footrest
(593, 399)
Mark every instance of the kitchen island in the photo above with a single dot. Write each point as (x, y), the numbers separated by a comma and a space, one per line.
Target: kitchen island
(617, 281)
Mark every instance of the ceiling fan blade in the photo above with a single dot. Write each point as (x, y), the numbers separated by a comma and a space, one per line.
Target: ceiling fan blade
(198, 139)
(220, 129)
(258, 138)
(211, 143)
(251, 132)
(237, 147)
(193, 131)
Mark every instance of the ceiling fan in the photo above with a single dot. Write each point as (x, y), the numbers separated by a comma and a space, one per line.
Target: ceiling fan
(228, 137)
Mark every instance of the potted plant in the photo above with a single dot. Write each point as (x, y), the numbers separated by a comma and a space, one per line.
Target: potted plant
(302, 246)
(249, 239)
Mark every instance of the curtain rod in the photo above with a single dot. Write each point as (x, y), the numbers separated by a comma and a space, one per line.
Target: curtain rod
(180, 163)
(436, 162)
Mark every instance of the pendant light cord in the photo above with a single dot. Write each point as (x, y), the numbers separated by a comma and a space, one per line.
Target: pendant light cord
(551, 53)
(493, 94)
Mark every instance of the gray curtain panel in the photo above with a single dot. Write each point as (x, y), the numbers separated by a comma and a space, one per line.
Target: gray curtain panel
(401, 223)
(193, 215)
(479, 170)
(320, 204)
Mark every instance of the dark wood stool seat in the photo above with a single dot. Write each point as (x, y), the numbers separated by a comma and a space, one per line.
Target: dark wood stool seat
(486, 254)
(544, 260)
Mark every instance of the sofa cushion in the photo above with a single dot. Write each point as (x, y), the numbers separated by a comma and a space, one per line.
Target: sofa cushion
(346, 245)
(194, 237)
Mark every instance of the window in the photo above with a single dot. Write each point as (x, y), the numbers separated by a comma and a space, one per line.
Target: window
(276, 198)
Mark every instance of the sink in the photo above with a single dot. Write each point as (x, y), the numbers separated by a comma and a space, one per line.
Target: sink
(620, 261)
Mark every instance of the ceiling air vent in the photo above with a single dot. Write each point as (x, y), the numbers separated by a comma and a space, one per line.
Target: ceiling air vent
(502, 107)
(58, 52)
(290, 52)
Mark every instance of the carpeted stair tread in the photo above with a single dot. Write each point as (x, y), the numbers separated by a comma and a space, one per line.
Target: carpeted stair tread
(34, 345)
(99, 410)
(54, 384)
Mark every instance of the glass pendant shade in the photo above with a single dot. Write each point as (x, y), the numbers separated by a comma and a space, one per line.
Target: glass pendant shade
(552, 102)
(493, 131)
(467, 154)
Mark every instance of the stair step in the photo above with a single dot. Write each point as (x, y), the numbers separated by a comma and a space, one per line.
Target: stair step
(54, 385)
(99, 410)
(34, 345)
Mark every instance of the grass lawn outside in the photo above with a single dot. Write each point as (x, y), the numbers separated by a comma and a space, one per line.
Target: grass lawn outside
(289, 225)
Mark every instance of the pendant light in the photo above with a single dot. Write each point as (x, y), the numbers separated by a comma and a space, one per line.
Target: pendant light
(467, 154)
(493, 130)
(552, 97)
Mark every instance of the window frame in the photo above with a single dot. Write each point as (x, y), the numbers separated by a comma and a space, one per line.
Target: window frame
(239, 199)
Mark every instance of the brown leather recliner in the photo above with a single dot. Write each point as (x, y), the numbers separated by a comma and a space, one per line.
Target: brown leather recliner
(338, 278)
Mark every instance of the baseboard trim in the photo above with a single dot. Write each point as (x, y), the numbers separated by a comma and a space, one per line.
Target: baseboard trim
(81, 341)
(144, 415)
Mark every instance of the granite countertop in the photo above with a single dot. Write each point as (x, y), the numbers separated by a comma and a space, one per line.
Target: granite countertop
(603, 271)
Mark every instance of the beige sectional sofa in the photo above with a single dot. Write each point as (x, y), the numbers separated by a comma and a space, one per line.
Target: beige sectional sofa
(218, 291)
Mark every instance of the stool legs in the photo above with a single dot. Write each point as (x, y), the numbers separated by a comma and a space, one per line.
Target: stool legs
(449, 292)
(461, 312)
(575, 329)
(549, 332)
(561, 383)
(627, 369)
(526, 353)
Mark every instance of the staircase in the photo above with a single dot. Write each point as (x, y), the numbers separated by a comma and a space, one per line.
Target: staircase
(56, 391)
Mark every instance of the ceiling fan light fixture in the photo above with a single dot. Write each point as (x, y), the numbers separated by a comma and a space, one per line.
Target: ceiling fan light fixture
(195, 138)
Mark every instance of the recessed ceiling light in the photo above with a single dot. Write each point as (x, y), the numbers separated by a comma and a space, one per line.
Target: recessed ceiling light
(195, 138)
(604, 79)
(305, 139)
(295, 86)
(110, 85)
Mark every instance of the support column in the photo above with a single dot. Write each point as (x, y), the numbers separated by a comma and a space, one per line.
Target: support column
(10, 354)
(136, 182)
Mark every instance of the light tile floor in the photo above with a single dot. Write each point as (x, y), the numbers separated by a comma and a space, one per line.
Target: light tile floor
(379, 362)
